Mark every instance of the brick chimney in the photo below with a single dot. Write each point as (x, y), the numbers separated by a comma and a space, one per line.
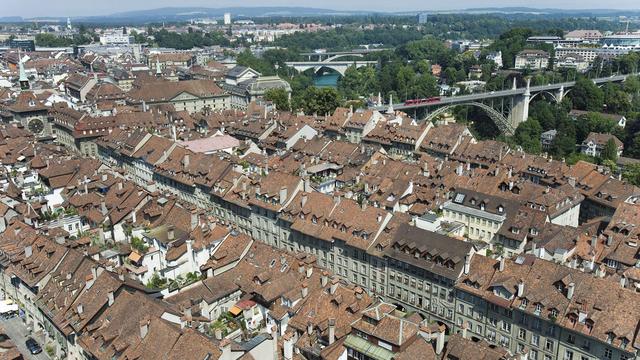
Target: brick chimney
(89, 280)
(307, 186)
(334, 285)
(324, 279)
(332, 330)
(288, 346)
(570, 289)
(521, 288)
(283, 195)
(359, 292)
(195, 219)
(144, 328)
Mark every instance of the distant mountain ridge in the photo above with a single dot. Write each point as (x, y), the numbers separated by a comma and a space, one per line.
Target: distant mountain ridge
(236, 11)
(187, 13)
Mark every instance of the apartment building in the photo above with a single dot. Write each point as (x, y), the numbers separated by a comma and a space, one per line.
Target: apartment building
(481, 214)
(552, 310)
(532, 59)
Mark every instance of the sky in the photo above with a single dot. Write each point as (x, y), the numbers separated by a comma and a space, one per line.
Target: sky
(39, 8)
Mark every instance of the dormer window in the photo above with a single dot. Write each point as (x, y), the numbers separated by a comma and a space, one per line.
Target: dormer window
(314, 219)
(482, 206)
(538, 309)
(554, 313)
(589, 326)
(623, 343)
(610, 337)
(572, 320)
(515, 230)
(500, 209)
(533, 231)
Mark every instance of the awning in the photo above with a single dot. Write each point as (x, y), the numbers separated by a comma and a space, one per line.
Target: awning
(7, 306)
(135, 257)
(235, 311)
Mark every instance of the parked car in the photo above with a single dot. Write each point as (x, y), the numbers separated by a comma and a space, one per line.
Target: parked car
(33, 346)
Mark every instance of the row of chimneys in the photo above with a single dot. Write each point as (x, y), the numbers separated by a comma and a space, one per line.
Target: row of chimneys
(324, 281)
(289, 338)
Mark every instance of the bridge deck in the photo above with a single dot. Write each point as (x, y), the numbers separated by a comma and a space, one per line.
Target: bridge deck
(448, 100)
(355, 52)
(325, 63)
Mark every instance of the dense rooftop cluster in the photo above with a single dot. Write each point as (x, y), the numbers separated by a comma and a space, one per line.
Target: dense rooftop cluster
(163, 222)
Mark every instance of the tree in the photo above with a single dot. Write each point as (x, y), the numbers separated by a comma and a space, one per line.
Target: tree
(616, 100)
(610, 151)
(565, 142)
(511, 43)
(139, 244)
(279, 97)
(633, 149)
(631, 173)
(425, 86)
(611, 164)
(632, 85)
(587, 96)
(544, 113)
(319, 101)
(156, 282)
(527, 135)
(358, 82)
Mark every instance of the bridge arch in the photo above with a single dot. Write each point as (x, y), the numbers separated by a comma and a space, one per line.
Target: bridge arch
(545, 92)
(567, 91)
(332, 69)
(500, 120)
(338, 56)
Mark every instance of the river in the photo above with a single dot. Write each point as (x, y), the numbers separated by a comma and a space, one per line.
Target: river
(329, 79)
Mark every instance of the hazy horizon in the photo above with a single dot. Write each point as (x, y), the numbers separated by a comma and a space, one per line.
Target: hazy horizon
(38, 8)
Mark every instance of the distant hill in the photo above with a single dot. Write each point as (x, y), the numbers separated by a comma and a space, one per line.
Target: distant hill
(169, 14)
(216, 12)
(186, 13)
(572, 12)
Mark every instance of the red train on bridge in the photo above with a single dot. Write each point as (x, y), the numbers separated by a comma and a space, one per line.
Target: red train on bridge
(421, 101)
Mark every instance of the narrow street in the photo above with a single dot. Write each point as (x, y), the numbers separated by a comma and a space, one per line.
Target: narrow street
(18, 333)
